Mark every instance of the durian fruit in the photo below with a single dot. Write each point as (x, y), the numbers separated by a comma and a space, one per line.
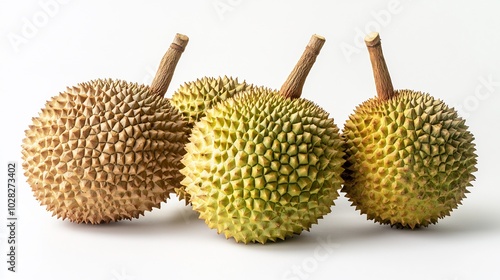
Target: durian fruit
(410, 157)
(107, 150)
(194, 98)
(265, 164)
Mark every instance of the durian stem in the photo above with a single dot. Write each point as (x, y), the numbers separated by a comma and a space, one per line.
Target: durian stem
(167, 65)
(292, 88)
(381, 74)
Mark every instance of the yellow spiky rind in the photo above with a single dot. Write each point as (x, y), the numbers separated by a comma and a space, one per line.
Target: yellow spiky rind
(409, 160)
(194, 98)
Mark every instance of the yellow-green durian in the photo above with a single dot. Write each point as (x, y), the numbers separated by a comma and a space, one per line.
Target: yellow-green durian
(409, 157)
(265, 165)
(194, 98)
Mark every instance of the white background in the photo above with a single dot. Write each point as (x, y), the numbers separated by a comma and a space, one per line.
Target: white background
(447, 48)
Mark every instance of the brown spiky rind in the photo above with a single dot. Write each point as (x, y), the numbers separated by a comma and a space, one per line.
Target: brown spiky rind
(260, 167)
(409, 159)
(193, 99)
(103, 151)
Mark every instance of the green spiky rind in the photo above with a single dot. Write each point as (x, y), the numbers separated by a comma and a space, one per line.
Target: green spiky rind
(104, 151)
(409, 159)
(262, 168)
(193, 99)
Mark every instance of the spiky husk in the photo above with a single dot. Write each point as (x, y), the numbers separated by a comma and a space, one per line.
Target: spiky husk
(261, 168)
(193, 99)
(103, 151)
(409, 159)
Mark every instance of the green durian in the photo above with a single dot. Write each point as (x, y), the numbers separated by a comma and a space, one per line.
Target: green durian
(194, 98)
(409, 156)
(265, 164)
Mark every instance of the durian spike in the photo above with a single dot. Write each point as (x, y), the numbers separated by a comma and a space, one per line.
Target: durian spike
(167, 65)
(292, 88)
(383, 82)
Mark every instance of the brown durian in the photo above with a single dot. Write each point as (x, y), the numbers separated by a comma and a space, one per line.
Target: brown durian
(107, 150)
